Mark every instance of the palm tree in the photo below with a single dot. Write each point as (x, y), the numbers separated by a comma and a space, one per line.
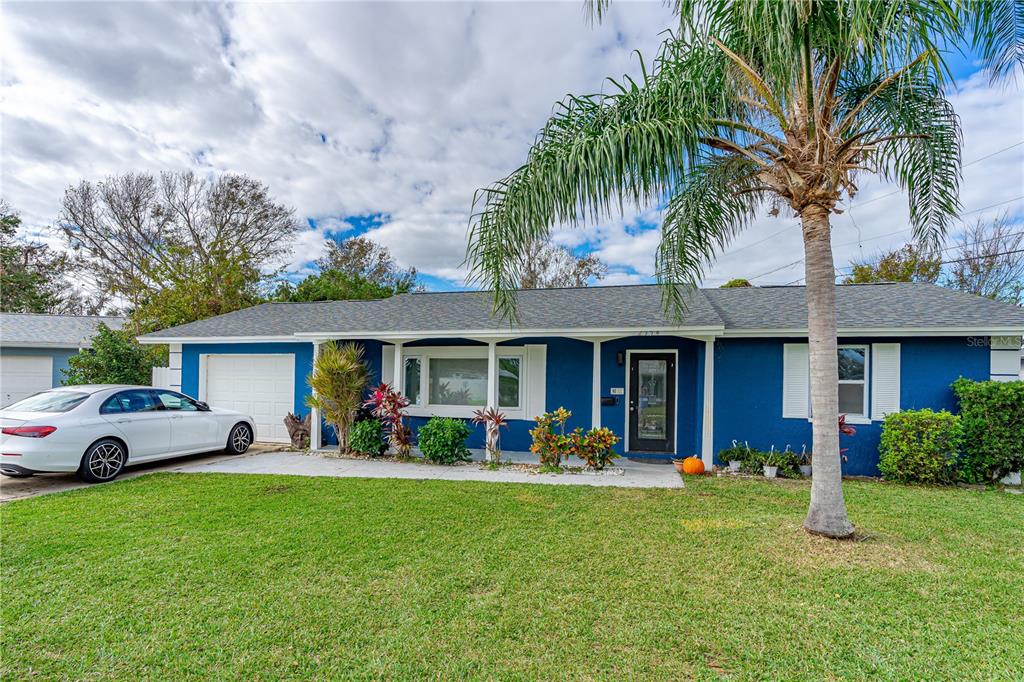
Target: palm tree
(338, 380)
(778, 103)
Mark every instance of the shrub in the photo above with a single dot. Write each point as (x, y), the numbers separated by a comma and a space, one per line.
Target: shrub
(992, 415)
(920, 446)
(595, 447)
(114, 358)
(367, 438)
(389, 405)
(338, 378)
(442, 440)
(550, 443)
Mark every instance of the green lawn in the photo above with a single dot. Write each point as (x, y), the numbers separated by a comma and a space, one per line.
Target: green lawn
(174, 576)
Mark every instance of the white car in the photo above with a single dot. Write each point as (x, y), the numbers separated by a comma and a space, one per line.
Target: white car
(98, 430)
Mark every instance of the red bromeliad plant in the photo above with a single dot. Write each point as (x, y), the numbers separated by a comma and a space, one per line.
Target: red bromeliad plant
(492, 420)
(388, 405)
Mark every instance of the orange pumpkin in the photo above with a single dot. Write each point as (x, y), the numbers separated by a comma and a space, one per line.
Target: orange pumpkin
(693, 466)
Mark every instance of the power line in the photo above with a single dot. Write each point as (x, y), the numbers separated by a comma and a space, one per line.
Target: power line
(888, 234)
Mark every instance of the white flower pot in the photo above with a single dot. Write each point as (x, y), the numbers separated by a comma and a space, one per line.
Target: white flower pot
(1012, 478)
(770, 472)
(805, 470)
(734, 464)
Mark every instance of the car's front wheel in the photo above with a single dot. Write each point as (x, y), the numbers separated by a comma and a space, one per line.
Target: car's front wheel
(239, 439)
(103, 461)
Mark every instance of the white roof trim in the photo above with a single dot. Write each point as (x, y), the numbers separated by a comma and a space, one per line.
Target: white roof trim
(881, 331)
(45, 344)
(154, 340)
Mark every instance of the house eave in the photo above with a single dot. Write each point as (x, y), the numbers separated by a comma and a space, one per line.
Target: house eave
(880, 331)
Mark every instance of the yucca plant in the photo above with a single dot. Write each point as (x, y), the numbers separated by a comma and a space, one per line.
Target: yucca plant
(338, 380)
(753, 104)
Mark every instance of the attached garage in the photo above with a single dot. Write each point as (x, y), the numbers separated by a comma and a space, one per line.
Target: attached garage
(24, 375)
(260, 385)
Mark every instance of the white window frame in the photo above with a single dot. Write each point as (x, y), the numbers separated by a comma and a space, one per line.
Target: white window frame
(864, 416)
(406, 357)
(851, 418)
(425, 353)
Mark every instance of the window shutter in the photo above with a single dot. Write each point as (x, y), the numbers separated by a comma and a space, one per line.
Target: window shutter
(796, 386)
(885, 379)
(387, 367)
(536, 379)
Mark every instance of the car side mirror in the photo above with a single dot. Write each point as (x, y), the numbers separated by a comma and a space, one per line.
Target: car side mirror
(203, 407)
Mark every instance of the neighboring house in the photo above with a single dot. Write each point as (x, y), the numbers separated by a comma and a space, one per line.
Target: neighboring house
(733, 368)
(35, 348)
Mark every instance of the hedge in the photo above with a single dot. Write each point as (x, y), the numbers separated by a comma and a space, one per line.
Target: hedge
(992, 413)
(920, 446)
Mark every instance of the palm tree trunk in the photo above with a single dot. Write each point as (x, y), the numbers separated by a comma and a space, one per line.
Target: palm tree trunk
(827, 512)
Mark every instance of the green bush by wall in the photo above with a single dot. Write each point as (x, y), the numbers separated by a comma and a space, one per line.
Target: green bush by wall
(920, 446)
(992, 413)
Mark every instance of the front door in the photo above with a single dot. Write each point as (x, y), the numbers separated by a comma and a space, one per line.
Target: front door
(652, 402)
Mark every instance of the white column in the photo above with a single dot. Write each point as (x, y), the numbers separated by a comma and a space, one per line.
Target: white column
(492, 374)
(707, 452)
(399, 366)
(595, 420)
(314, 419)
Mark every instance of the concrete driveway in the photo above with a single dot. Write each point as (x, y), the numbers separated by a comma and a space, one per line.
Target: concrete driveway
(41, 484)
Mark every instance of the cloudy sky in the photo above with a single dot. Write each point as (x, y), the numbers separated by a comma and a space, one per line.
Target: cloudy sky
(384, 118)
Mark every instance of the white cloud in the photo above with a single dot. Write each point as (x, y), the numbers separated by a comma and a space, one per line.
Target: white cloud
(348, 109)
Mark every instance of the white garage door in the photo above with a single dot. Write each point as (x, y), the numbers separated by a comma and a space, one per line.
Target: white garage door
(23, 375)
(259, 385)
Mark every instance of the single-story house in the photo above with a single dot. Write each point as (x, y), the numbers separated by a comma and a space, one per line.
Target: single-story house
(734, 367)
(35, 348)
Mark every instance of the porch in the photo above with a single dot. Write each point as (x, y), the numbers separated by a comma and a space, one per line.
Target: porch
(654, 391)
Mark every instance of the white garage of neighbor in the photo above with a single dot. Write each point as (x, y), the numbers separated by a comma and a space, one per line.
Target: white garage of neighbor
(34, 348)
(262, 386)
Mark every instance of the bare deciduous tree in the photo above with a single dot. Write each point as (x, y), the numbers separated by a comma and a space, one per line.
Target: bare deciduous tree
(546, 265)
(143, 237)
(990, 261)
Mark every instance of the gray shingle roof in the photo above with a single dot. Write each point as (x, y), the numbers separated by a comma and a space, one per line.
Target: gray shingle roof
(896, 306)
(866, 306)
(56, 331)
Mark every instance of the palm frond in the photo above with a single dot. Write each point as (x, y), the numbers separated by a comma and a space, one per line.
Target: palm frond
(596, 154)
(919, 148)
(997, 28)
(718, 199)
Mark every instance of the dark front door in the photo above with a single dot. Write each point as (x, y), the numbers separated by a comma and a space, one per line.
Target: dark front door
(652, 402)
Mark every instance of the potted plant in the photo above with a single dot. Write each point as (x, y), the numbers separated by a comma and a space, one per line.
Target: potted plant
(735, 456)
(805, 462)
(770, 463)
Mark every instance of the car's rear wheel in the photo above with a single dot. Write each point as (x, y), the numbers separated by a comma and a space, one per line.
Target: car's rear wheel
(239, 439)
(103, 461)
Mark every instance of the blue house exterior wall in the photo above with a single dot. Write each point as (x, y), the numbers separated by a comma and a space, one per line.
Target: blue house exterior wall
(60, 358)
(748, 392)
(689, 383)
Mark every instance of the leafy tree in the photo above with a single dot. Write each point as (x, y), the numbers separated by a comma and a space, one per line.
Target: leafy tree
(910, 263)
(363, 258)
(551, 266)
(754, 104)
(32, 276)
(338, 379)
(989, 261)
(179, 247)
(114, 358)
(333, 285)
(738, 283)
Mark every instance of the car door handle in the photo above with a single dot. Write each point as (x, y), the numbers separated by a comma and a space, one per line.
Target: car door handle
(121, 421)
(176, 416)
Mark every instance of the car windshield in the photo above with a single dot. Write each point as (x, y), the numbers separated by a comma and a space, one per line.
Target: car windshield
(49, 401)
